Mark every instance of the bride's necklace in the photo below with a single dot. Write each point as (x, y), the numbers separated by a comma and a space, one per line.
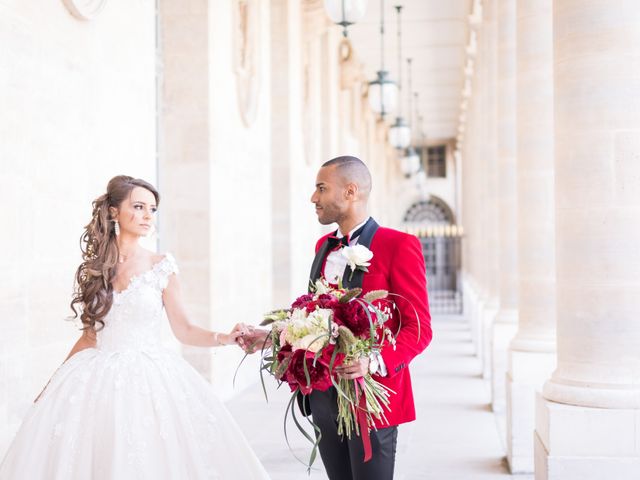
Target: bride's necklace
(123, 257)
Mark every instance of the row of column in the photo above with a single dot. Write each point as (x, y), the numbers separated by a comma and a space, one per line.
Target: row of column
(532, 351)
(597, 170)
(555, 97)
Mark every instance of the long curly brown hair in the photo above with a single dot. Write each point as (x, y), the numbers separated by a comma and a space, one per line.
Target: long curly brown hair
(93, 295)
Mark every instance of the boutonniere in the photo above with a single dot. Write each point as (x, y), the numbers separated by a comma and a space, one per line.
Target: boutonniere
(358, 257)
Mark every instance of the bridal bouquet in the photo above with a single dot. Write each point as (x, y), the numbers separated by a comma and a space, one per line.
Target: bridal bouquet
(321, 331)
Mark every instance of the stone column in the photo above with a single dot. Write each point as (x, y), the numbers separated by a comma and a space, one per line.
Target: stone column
(285, 149)
(471, 259)
(532, 351)
(297, 32)
(488, 171)
(184, 156)
(491, 184)
(588, 418)
(506, 321)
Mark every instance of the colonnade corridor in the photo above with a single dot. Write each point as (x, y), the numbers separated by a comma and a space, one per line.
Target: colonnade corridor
(455, 437)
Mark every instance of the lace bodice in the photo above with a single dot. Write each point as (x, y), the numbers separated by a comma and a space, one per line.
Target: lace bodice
(134, 321)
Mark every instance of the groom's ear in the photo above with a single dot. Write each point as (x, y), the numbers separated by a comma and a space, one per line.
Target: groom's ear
(351, 191)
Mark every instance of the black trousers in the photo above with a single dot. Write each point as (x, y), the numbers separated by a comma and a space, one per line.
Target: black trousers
(343, 458)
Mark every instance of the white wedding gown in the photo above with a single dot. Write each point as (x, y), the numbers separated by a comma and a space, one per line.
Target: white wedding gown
(129, 409)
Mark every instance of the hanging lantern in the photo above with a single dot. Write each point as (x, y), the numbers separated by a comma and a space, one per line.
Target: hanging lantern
(383, 92)
(420, 179)
(400, 132)
(410, 162)
(345, 12)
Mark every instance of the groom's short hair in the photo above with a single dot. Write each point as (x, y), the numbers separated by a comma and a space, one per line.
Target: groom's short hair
(352, 169)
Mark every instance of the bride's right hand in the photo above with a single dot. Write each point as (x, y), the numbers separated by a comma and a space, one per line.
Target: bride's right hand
(239, 331)
(254, 340)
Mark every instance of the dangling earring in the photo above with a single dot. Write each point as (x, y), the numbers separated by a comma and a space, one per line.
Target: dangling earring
(116, 227)
(152, 232)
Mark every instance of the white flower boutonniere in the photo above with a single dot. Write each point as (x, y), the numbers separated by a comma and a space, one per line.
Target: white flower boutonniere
(358, 257)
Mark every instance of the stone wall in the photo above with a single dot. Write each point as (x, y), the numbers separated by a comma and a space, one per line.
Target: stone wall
(78, 106)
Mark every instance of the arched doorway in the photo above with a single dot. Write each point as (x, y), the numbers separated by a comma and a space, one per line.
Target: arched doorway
(433, 222)
(433, 211)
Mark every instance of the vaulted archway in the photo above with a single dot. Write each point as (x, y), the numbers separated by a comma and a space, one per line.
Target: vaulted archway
(435, 223)
(433, 211)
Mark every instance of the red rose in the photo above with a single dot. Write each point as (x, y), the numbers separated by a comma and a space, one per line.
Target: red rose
(327, 353)
(327, 301)
(318, 373)
(284, 357)
(354, 316)
(284, 353)
(302, 301)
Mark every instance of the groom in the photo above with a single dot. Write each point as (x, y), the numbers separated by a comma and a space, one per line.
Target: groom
(342, 191)
(343, 185)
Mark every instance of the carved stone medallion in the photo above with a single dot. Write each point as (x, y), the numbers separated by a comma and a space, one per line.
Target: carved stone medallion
(246, 56)
(84, 9)
(307, 116)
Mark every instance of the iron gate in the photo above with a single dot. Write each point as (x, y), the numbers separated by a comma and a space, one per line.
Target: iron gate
(441, 247)
(433, 222)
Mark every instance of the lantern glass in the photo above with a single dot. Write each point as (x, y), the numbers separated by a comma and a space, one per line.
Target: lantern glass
(400, 134)
(353, 10)
(383, 94)
(421, 179)
(410, 163)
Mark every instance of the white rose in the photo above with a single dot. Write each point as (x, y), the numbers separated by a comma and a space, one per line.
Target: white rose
(357, 256)
(279, 325)
(321, 317)
(310, 342)
(298, 316)
(297, 326)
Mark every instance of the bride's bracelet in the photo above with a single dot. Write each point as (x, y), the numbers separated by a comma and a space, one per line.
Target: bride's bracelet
(216, 340)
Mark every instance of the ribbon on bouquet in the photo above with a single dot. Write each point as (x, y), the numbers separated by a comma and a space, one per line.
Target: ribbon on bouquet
(362, 418)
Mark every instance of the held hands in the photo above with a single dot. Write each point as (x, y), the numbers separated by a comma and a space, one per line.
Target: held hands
(355, 369)
(232, 337)
(254, 339)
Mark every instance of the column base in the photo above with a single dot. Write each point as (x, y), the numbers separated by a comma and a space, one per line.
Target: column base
(527, 373)
(584, 443)
(593, 394)
(503, 330)
(489, 313)
(473, 306)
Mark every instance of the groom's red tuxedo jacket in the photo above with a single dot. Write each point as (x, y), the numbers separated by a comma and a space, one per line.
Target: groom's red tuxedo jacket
(398, 267)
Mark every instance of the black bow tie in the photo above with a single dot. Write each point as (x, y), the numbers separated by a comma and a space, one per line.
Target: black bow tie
(335, 242)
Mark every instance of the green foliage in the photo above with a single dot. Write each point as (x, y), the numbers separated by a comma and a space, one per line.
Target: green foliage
(374, 295)
(350, 295)
(274, 316)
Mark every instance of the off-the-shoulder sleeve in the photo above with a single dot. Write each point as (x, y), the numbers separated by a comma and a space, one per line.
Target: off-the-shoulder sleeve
(166, 267)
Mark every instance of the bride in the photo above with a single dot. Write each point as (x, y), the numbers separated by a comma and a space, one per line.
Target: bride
(120, 406)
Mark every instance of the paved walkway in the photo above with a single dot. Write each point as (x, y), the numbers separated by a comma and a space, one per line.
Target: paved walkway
(454, 438)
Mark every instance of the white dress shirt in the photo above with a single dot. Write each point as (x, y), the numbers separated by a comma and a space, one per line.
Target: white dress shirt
(336, 262)
(333, 272)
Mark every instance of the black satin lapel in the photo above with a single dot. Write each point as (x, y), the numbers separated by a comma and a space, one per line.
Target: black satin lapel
(355, 280)
(316, 267)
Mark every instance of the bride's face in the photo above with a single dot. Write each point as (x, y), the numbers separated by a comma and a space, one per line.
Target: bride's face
(136, 214)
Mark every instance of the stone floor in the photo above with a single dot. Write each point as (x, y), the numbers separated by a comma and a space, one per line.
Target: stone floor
(455, 437)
